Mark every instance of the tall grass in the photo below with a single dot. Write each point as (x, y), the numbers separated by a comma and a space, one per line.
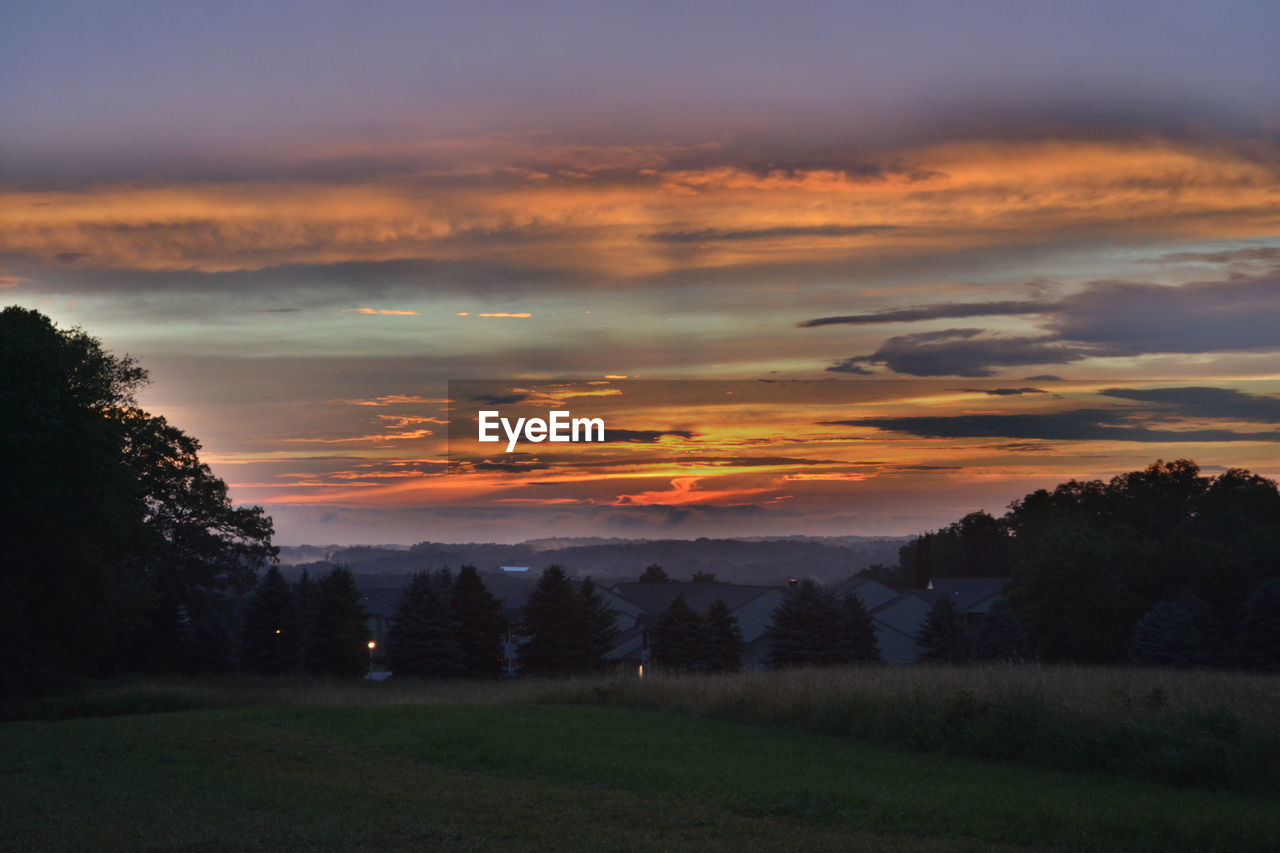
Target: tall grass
(1199, 728)
(1191, 728)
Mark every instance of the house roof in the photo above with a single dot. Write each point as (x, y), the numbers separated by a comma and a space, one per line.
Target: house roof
(657, 597)
(966, 593)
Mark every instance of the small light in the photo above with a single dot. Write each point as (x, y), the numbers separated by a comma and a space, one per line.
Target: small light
(372, 644)
(277, 630)
(640, 672)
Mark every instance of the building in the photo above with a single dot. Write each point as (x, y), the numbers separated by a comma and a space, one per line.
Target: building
(638, 606)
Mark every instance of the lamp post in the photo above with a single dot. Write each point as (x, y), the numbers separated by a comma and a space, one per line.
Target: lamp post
(372, 646)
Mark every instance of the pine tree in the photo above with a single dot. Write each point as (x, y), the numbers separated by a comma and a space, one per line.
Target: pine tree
(679, 638)
(1000, 636)
(423, 641)
(806, 628)
(1258, 642)
(339, 630)
(859, 640)
(554, 626)
(1166, 636)
(941, 637)
(600, 625)
(304, 602)
(480, 625)
(268, 643)
(654, 574)
(725, 645)
(1208, 627)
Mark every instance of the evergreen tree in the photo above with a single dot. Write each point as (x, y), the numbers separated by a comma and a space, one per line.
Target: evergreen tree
(941, 638)
(600, 626)
(679, 638)
(480, 625)
(339, 631)
(859, 633)
(725, 645)
(268, 641)
(654, 574)
(554, 626)
(807, 628)
(304, 602)
(1258, 643)
(1167, 636)
(1000, 636)
(423, 640)
(1208, 628)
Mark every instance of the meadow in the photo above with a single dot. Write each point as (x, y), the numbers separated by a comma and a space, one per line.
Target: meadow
(877, 758)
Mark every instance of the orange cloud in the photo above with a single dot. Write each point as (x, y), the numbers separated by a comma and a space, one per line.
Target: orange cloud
(519, 315)
(380, 311)
(943, 197)
(683, 492)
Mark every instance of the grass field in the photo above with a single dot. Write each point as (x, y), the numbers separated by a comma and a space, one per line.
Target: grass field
(523, 777)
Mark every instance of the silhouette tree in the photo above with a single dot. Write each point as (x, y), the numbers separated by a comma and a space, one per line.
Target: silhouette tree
(1000, 636)
(600, 625)
(858, 641)
(269, 642)
(679, 638)
(941, 638)
(554, 627)
(1167, 636)
(110, 524)
(480, 625)
(654, 574)
(807, 628)
(423, 640)
(725, 644)
(703, 577)
(339, 631)
(1258, 644)
(304, 603)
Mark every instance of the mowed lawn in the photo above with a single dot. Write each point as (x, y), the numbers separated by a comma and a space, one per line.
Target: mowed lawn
(559, 778)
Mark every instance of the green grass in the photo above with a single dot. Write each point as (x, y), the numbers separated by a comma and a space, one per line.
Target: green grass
(560, 778)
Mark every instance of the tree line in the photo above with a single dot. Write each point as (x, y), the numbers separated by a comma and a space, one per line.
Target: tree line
(1163, 566)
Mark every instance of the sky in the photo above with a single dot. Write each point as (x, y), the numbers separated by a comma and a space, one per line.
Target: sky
(943, 254)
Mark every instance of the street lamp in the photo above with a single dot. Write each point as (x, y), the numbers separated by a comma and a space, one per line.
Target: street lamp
(372, 646)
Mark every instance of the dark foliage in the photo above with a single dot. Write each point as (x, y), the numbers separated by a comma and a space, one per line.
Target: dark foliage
(600, 625)
(859, 633)
(424, 639)
(269, 642)
(941, 637)
(1167, 636)
(338, 633)
(116, 537)
(977, 545)
(1258, 646)
(480, 626)
(568, 629)
(654, 574)
(807, 628)
(1000, 635)
(679, 639)
(725, 645)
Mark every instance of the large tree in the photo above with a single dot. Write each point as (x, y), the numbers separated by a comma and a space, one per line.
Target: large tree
(423, 640)
(941, 637)
(679, 638)
(725, 645)
(807, 628)
(554, 630)
(116, 537)
(339, 632)
(269, 642)
(480, 625)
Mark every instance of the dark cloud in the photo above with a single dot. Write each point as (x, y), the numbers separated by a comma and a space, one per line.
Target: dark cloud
(1206, 402)
(499, 399)
(1106, 319)
(1043, 377)
(708, 235)
(941, 311)
(1001, 392)
(962, 352)
(642, 436)
(1074, 425)
(1253, 254)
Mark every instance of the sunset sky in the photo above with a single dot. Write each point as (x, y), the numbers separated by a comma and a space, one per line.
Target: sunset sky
(1002, 244)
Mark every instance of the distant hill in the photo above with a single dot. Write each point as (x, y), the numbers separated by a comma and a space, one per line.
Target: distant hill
(765, 560)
